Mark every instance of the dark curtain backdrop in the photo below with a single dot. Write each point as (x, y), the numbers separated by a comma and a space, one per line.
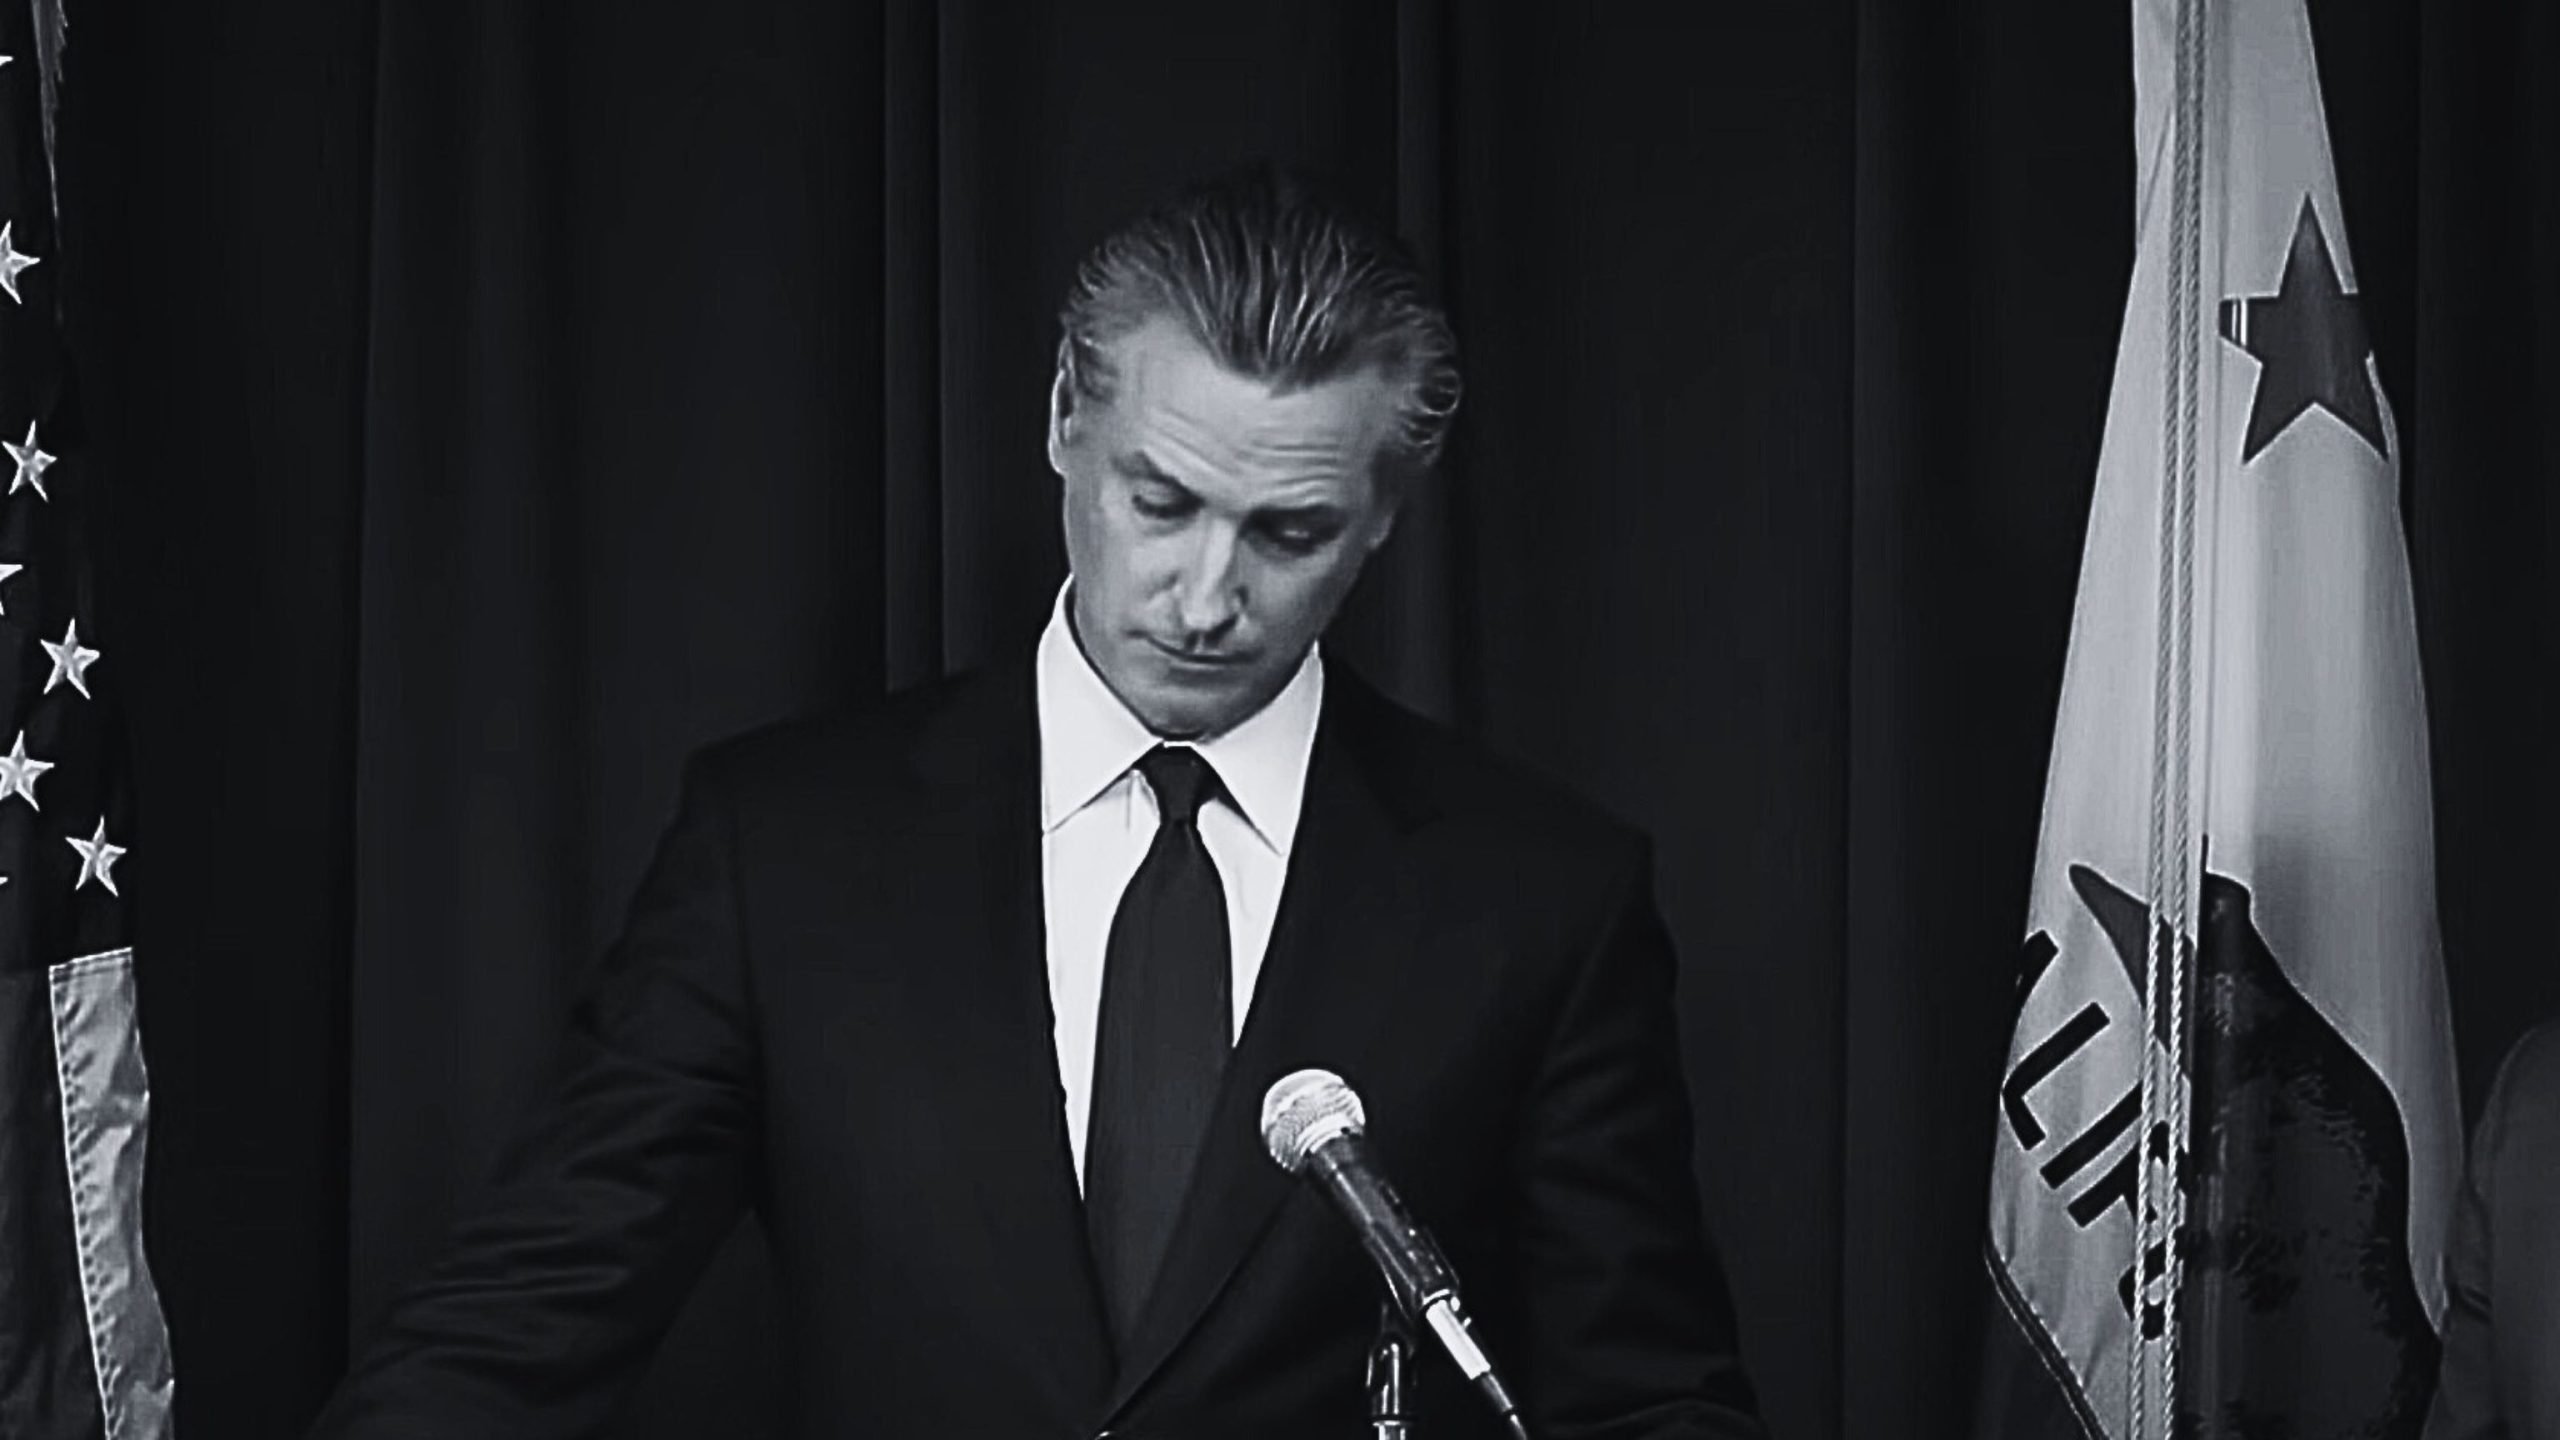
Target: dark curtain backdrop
(502, 399)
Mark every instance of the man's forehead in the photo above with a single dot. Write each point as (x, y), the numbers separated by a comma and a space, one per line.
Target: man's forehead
(1161, 367)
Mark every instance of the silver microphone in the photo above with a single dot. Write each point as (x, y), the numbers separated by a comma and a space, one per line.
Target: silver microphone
(1315, 1128)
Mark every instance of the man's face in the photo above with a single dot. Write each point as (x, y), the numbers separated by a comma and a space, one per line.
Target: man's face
(1212, 525)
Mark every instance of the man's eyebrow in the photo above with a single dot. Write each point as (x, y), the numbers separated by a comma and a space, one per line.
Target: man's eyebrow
(1304, 511)
(1136, 466)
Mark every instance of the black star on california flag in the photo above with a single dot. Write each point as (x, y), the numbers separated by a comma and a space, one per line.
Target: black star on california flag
(2309, 341)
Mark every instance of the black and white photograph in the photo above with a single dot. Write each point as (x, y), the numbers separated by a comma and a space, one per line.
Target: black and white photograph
(1279, 720)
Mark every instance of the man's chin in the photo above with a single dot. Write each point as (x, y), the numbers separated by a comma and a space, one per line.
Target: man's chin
(1189, 711)
(1187, 723)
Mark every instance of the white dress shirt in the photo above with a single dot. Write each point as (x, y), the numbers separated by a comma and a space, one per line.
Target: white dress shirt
(1098, 816)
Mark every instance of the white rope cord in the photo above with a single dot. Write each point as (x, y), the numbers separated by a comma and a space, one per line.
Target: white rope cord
(2171, 878)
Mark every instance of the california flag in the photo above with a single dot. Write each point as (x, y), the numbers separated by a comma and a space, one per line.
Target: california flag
(2227, 1133)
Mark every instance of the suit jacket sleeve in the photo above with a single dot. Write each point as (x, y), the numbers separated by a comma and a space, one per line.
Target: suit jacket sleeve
(557, 1284)
(1631, 1329)
(2467, 1401)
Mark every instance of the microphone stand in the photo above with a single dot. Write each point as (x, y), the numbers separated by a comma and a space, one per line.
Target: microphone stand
(1391, 1378)
(1390, 1375)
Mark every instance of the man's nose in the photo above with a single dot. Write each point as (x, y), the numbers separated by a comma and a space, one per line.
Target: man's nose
(1210, 594)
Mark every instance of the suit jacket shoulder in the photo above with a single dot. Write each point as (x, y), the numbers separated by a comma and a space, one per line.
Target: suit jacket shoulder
(2517, 1149)
(2529, 1078)
(1435, 772)
(794, 748)
(2502, 1265)
(861, 759)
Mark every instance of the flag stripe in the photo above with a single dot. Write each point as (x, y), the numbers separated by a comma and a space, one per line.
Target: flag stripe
(106, 1107)
(48, 1386)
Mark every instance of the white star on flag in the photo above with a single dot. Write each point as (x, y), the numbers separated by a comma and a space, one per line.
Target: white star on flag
(5, 572)
(19, 772)
(71, 661)
(97, 859)
(11, 261)
(32, 461)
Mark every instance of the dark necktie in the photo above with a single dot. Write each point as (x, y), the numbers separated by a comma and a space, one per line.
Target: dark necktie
(1160, 1042)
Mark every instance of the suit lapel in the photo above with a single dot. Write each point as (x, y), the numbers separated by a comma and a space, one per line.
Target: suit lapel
(1345, 918)
(977, 935)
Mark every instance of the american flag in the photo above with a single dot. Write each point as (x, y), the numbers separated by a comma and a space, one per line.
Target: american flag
(84, 1351)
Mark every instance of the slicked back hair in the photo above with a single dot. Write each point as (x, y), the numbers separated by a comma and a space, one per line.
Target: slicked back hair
(1281, 284)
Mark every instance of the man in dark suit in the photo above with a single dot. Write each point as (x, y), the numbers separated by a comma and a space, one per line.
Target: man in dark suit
(975, 995)
(2501, 1374)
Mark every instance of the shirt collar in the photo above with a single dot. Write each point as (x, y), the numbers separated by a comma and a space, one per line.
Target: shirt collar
(1089, 739)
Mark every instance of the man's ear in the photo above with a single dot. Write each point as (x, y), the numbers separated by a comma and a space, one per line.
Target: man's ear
(1062, 413)
(1386, 527)
(1394, 498)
